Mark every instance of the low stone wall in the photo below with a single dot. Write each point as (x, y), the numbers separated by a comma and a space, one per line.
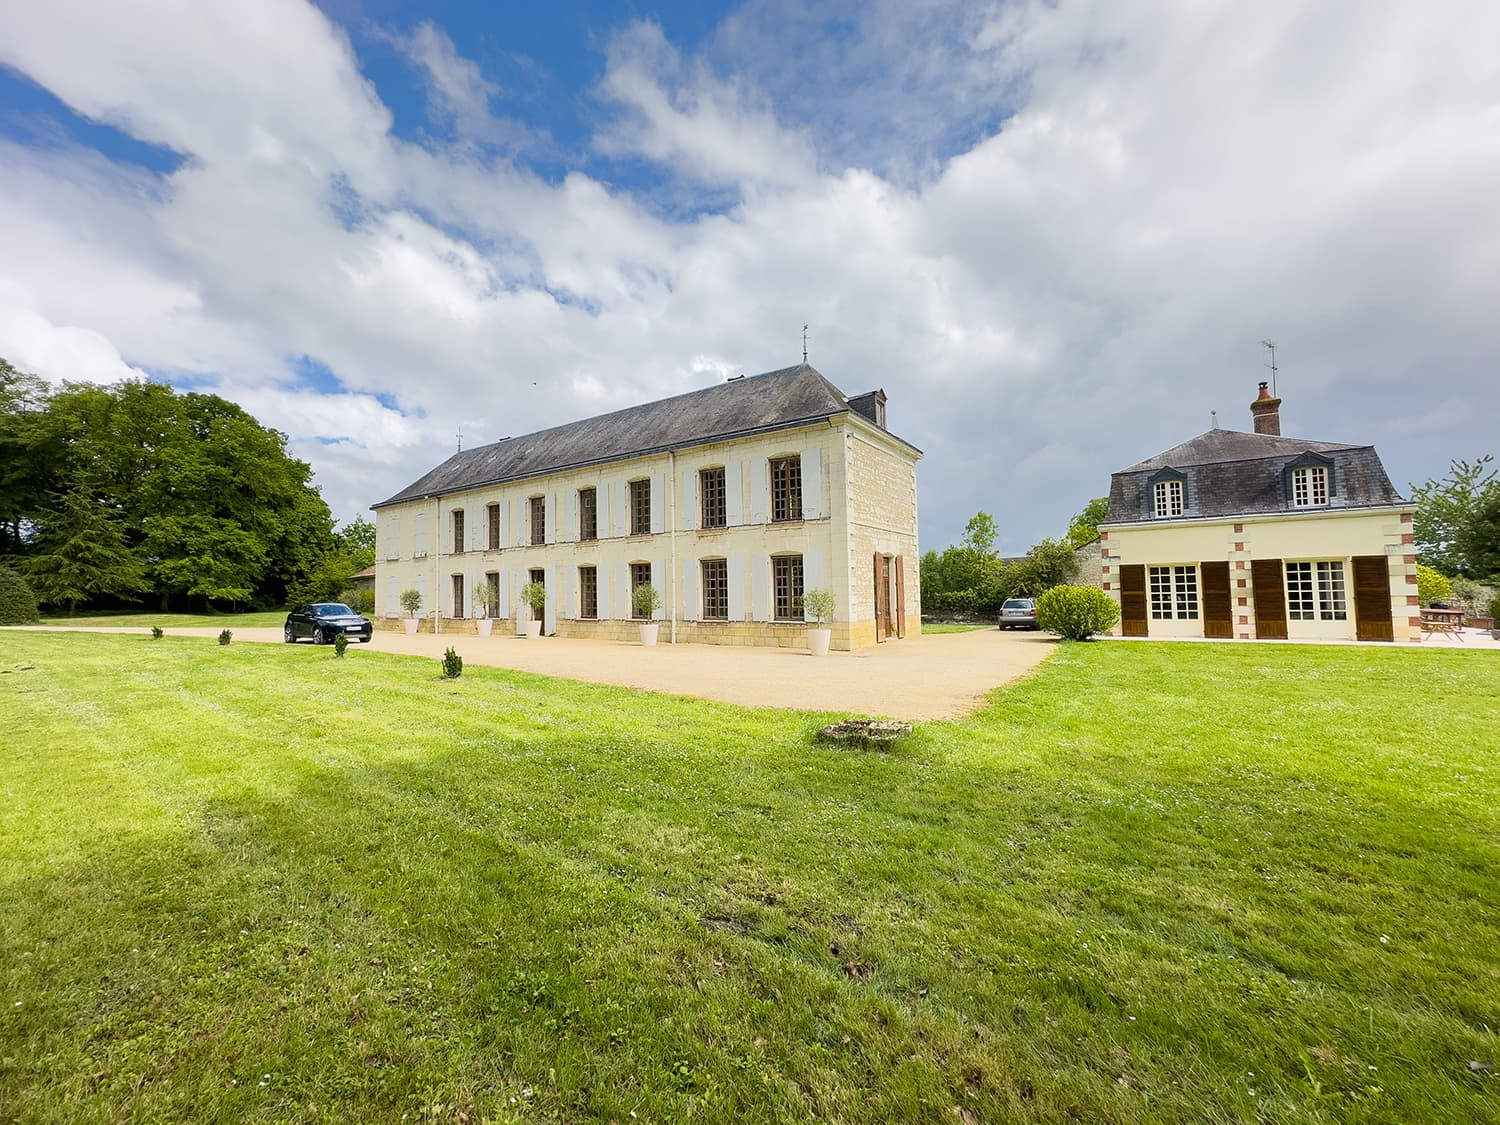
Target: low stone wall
(761, 634)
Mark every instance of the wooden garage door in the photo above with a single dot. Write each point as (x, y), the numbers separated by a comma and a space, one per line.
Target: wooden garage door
(1133, 600)
(1372, 599)
(1268, 578)
(1218, 611)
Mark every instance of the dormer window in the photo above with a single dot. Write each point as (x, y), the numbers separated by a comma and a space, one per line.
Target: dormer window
(1167, 498)
(1310, 487)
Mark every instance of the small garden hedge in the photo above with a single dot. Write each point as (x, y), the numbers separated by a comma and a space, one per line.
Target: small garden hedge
(17, 602)
(1076, 612)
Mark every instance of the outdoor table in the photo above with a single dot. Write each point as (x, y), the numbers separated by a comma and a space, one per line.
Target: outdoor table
(1443, 621)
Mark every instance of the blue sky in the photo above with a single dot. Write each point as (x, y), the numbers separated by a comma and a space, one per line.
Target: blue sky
(1053, 232)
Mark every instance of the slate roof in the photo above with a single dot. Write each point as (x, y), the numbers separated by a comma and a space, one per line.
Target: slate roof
(1229, 473)
(776, 400)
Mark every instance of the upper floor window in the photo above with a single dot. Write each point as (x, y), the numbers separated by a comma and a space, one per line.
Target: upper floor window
(640, 507)
(458, 531)
(588, 514)
(711, 486)
(1310, 487)
(538, 512)
(492, 522)
(786, 488)
(1167, 498)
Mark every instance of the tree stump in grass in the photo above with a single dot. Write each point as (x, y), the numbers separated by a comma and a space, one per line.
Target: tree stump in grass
(864, 732)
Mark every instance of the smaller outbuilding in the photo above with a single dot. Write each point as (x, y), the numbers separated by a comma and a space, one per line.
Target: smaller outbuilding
(1253, 535)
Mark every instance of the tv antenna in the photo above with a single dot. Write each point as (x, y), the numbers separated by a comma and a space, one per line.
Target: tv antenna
(1270, 345)
(804, 343)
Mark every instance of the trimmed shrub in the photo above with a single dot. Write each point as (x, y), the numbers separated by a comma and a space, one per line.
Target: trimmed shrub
(225, 636)
(360, 601)
(1432, 586)
(453, 664)
(156, 633)
(819, 605)
(645, 600)
(411, 601)
(340, 643)
(1076, 612)
(17, 602)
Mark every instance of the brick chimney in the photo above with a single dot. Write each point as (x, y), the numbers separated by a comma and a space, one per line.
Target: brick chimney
(1267, 413)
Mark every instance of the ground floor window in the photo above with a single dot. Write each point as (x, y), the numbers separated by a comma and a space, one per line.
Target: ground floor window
(493, 578)
(786, 576)
(715, 589)
(640, 575)
(1174, 593)
(1315, 591)
(588, 592)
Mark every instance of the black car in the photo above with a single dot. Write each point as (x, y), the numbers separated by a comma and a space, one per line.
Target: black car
(323, 621)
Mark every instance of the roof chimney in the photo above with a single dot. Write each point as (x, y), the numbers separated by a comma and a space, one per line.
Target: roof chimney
(1267, 413)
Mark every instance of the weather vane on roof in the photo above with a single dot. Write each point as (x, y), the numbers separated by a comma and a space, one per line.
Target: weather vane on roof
(804, 343)
(460, 436)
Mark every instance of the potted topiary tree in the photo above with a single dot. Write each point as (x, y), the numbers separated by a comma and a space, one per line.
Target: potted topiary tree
(645, 599)
(484, 598)
(818, 606)
(411, 601)
(534, 597)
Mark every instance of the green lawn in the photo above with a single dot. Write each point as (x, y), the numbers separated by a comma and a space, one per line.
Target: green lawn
(1205, 883)
(270, 618)
(929, 627)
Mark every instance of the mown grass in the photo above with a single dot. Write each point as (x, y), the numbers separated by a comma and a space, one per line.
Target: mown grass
(1149, 883)
(272, 618)
(945, 627)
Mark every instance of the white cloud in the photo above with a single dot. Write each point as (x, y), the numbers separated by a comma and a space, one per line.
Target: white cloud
(1053, 233)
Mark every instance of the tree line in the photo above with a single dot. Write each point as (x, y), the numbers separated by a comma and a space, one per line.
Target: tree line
(970, 578)
(138, 493)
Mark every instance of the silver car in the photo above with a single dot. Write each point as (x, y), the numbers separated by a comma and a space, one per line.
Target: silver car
(1018, 613)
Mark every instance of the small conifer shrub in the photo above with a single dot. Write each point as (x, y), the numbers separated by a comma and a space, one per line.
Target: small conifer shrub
(17, 602)
(225, 636)
(340, 643)
(156, 633)
(453, 664)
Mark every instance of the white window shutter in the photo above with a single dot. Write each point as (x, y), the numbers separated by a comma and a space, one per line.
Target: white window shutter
(393, 538)
(687, 502)
(690, 589)
(622, 511)
(760, 490)
(505, 525)
(549, 516)
(658, 503)
(392, 606)
(659, 575)
(569, 532)
(623, 606)
(554, 598)
(473, 522)
(760, 587)
(812, 484)
(734, 500)
(812, 572)
(603, 591)
(736, 569)
(504, 593)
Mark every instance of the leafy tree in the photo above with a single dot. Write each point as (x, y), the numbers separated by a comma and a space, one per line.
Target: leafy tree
(24, 478)
(1084, 527)
(17, 602)
(1050, 563)
(1432, 585)
(980, 534)
(1479, 539)
(357, 540)
(1447, 511)
(81, 553)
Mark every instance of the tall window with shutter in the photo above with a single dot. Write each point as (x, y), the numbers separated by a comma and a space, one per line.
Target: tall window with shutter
(492, 526)
(786, 582)
(786, 489)
(588, 514)
(640, 507)
(715, 589)
(458, 531)
(711, 488)
(537, 511)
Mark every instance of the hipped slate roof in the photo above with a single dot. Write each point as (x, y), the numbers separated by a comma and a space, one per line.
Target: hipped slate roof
(1229, 473)
(793, 396)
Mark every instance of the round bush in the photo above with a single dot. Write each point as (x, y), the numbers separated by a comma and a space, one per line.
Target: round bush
(1076, 612)
(17, 602)
(1432, 586)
